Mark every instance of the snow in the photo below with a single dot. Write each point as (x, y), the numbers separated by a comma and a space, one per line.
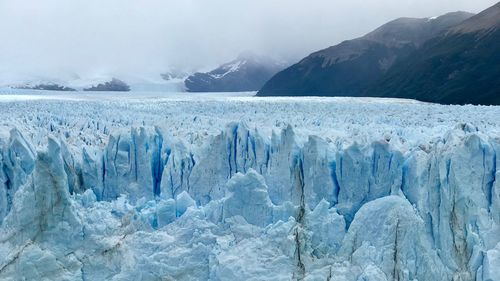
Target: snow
(145, 186)
(228, 68)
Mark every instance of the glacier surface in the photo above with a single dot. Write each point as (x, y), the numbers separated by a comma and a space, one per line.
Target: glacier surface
(243, 188)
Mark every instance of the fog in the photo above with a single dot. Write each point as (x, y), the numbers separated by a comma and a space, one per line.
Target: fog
(147, 37)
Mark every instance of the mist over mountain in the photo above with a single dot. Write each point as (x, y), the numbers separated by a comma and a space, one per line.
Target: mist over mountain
(248, 72)
(452, 59)
(115, 85)
(56, 40)
(349, 68)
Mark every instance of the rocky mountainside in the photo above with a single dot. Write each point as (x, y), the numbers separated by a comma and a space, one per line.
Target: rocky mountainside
(459, 67)
(486, 20)
(46, 87)
(246, 73)
(349, 68)
(115, 85)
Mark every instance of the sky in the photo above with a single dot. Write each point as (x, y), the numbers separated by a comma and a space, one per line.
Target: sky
(145, 37)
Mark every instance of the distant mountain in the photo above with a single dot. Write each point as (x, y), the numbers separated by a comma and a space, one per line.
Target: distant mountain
(246, 73)
(459, 67)
(114, 85)
(46, 87)
(351, 67)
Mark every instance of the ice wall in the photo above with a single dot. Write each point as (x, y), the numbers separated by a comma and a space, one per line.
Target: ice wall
(316, 208)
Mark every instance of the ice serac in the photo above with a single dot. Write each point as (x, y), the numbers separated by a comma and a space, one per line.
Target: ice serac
(388, 233)
(128, 165)
(491, 269)
(458, 205)
(326, 230)
(42, 213)
(365, 173)
(17, 163)
(146, 207)
(248, 198)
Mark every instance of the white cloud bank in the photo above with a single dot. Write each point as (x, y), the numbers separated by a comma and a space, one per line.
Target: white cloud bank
(145, 37)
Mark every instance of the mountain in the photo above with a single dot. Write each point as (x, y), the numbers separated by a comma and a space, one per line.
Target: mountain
(46, 87)
(114, 85)
(488, 19)
(141, 81)
(459, 67)
(246, 73)
(349, 68)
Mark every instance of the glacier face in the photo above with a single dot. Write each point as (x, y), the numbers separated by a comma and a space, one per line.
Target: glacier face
(141, 201)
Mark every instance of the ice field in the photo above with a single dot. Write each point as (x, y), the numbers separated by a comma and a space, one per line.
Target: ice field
(144, 186)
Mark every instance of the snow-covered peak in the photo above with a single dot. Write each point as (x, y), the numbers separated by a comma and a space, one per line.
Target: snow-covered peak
(246, 73)
(228, 68)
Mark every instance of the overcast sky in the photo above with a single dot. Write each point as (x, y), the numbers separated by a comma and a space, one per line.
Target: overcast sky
(144, 37)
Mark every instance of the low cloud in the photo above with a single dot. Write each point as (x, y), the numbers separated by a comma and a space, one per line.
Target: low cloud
(132, 37)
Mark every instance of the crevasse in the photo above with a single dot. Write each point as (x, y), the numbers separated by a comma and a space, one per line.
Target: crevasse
(243, 206)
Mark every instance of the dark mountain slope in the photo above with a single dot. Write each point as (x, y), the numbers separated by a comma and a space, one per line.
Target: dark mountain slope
(349, 68)
(46, 87)
(460, 67)
(115, 85)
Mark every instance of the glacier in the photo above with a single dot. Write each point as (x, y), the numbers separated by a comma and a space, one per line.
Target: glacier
(189, 189)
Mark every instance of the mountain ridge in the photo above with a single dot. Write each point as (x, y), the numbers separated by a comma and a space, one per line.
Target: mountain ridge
(459, 67)
(488, 19)
(350, 67)
(248, 72)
